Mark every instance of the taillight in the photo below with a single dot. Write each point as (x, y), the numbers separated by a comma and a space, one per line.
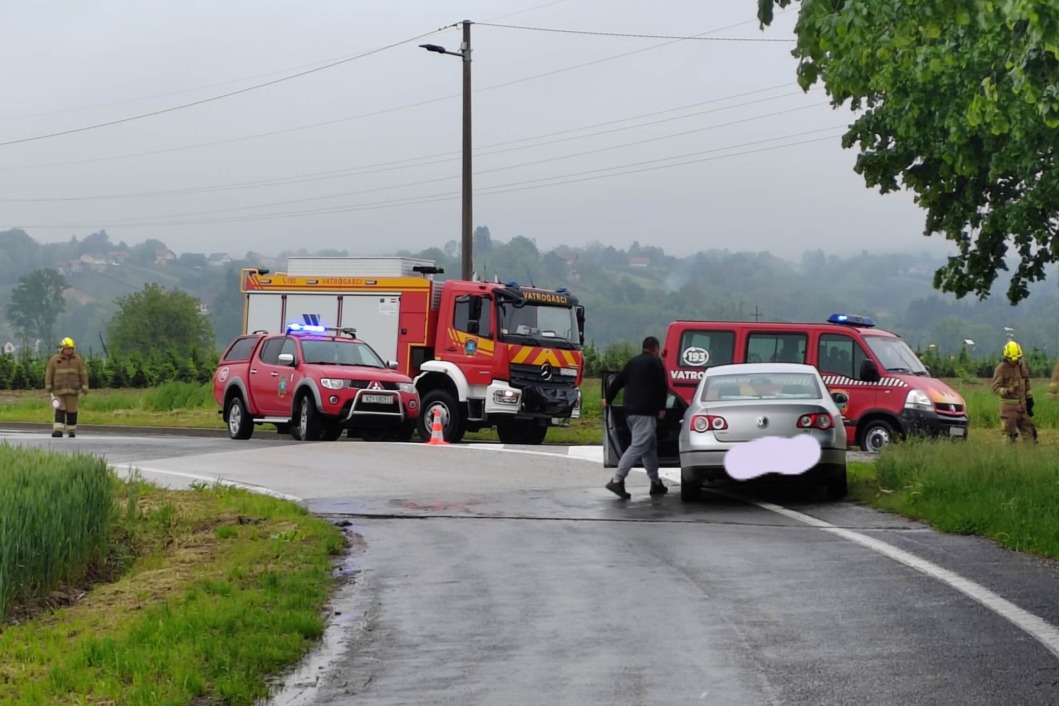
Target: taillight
(707, 422)
(820, 420)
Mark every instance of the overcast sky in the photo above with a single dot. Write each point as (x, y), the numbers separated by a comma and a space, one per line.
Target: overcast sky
(349, 146)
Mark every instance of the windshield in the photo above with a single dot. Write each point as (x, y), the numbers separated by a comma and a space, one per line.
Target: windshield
(532, 324)
(895, 355)
(340, 353)
(761, 386)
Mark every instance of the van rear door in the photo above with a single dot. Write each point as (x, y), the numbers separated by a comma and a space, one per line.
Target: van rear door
(616, 435)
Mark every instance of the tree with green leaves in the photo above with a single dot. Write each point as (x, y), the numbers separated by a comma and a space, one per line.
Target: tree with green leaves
(958, 101)
(154, 321)
(36, 303)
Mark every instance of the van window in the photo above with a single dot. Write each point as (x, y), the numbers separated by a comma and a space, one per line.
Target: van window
(699, 349)
(840, 355)
(776, 347)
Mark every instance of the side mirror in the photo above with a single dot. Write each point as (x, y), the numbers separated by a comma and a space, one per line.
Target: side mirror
(286, 359)
(391, 364)
(580, 312)
(869, 372)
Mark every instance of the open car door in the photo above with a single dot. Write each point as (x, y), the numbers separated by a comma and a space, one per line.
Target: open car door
(617, 437)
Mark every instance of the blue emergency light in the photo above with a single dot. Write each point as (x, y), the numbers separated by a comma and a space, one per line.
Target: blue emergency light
(305, 328)
(851, 320)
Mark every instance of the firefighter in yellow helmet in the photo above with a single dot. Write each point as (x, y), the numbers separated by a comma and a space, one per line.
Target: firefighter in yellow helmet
(1013, 388)
(65, 379)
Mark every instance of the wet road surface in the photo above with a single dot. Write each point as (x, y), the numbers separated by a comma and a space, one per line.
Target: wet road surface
(489, 577)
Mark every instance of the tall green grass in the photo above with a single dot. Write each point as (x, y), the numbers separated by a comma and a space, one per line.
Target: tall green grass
(1008, 492)
(55, 516)
(983, 405)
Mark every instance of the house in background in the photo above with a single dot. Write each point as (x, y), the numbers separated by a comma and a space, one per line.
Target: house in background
(218, 259)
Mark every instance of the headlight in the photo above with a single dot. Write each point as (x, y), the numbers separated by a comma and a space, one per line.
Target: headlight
(917, 399)
(332, 383)
(406, 387)
(506, 397)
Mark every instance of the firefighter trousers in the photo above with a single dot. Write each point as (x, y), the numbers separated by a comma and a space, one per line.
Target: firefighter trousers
(66, 415)
(1015, 421)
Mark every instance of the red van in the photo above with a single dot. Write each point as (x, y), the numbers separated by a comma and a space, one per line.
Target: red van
(883, 390)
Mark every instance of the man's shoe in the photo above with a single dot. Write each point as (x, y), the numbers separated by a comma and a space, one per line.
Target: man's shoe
(57, 435)
(618, 488)
(71, 435)
(659, 488)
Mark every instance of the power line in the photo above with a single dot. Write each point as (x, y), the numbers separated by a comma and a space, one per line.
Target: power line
(407, 163)
(638, 36)
(217, 97)
(371, 114)
(528, 9)
(513, 186)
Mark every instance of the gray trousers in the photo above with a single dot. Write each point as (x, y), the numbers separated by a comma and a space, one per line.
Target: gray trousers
(644, 447)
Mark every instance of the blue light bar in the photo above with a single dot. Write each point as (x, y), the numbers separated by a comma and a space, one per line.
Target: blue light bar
(561, 290)
(511, 284)
(305, 328)
(851, 320)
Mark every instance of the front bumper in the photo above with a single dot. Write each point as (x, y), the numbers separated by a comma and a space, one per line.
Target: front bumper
(915, 422)
(365, 408)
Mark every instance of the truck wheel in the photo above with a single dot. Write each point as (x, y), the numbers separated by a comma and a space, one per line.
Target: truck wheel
(309, 422)
(877, 434)
(332, 430)
(521, 432)
(240, 424)
(451, 421)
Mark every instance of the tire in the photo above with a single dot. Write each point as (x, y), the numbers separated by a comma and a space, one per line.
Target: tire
(877, 434)
(838, 488)
(332, 430)
(690, 488)
(521, 432)
(308, 421)
(452, 424)
(240, 423)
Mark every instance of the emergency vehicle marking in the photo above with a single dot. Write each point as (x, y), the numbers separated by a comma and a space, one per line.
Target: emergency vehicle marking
(482, 346)
(543, 297)
(559, 358)
(883, 382)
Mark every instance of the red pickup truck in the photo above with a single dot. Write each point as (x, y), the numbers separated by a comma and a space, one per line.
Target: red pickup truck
(313, 385)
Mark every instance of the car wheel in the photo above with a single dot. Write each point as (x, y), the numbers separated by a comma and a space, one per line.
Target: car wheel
(837, 488)
(309, 423)
(451, 421)
(876, 434)
(690, 488)
(332, 430)
(521, 432)
(240, 424)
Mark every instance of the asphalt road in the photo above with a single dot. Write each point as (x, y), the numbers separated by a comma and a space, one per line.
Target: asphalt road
(485, 575)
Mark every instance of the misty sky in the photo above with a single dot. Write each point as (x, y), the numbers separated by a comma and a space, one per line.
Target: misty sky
(354, 183)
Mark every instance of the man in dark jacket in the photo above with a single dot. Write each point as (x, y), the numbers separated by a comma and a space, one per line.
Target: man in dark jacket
(644, 380)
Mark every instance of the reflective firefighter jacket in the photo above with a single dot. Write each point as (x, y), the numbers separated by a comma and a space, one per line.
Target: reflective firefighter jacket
(1009, 384)
(66, 375)
(1053, 385)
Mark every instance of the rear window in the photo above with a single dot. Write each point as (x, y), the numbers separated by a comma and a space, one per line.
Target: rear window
(761, 386)
(240, 350)
(700, 349)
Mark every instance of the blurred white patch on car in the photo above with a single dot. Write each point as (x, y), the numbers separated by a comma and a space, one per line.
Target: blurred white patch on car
(772, 454)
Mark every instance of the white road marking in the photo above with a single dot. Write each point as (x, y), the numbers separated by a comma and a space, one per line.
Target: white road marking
(207, 479)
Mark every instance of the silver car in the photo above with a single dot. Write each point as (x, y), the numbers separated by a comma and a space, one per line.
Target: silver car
(763, 416)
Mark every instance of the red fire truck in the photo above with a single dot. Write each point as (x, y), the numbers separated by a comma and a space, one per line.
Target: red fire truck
(486, 354)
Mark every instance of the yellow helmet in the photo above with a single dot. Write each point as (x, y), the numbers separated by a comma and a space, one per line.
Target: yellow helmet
(69, 343)
(1012, 351)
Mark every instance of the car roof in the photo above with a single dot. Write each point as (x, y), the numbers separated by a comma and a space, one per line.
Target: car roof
(765, 368)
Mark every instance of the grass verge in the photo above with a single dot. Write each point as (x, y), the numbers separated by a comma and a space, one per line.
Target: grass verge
(1008, 493)
(221, 590)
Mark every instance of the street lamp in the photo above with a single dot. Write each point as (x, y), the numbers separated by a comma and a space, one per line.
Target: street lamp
(465, 54)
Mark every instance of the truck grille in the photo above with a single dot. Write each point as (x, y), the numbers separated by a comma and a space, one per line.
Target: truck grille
(523, 375)
(945, 408)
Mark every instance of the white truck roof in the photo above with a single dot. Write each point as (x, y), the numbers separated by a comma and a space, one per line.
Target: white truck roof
(355, 266)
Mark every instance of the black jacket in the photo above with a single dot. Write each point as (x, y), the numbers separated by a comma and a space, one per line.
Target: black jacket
(644, 380)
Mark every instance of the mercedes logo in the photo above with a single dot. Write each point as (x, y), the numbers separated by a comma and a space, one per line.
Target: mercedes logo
(762, 422)
(546, 372)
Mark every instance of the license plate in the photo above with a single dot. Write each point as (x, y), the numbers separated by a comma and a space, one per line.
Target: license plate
(376, 399)
(957, 431)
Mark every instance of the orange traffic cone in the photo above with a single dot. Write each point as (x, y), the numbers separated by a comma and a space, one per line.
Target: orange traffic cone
(437, 434)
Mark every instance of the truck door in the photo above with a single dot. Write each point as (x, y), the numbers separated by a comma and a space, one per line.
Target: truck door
(840, 359)
(617, 437)
(269, 380)
(468, 338)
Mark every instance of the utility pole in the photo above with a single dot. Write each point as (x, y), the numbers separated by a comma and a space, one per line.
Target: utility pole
(468, 213)
(757, 314)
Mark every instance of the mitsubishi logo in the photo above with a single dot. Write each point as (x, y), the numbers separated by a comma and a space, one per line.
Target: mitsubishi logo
(762, 422)
(375, 385)
(546, 372)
